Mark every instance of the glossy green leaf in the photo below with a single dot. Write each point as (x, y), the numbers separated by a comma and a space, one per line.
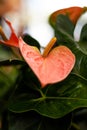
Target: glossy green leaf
(83, 35)
(83, 46)
(10, 62)
(78, 48)
(7, 53)
(10, 56)
(8, 75)
(33, 121)
(57, 100)
(64, 29)
(8, 69)
(31, 41)
(70, 94)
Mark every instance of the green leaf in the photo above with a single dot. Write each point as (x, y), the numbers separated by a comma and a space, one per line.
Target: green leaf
(64, 29)
(80, 68)
(8, 70)
(56, 100)
(8, 75)
(5, 52)
(31, 41)
(54, 103)
(10, 56)
(10, 62)
(83, 35)
(83, 46)
(33, 121)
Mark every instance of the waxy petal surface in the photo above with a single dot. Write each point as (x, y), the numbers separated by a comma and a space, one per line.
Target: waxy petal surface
(51, 69)
(13, 40)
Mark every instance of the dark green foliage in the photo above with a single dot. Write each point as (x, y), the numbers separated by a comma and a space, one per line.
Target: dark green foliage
(31, 41)
(31, 107)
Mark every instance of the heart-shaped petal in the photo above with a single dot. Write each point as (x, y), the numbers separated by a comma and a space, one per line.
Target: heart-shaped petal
(13, 40)
(53, 68)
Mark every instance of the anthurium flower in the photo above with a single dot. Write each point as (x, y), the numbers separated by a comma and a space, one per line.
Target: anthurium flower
(13, 40)
(72, 12)
(54, 65)
(50, 67)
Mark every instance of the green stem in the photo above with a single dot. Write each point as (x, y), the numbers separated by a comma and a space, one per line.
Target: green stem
(75, 126)
(39, 90)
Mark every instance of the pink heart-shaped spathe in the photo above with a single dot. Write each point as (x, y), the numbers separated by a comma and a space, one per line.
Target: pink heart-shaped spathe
(51, 69)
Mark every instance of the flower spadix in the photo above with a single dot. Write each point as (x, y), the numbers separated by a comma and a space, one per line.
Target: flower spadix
(54, 65)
